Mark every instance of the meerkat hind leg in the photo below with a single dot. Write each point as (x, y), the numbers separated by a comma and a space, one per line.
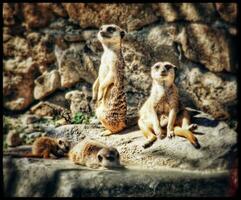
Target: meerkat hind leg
(46, 155)
(151, 138)
(184, 130)
(186, 122)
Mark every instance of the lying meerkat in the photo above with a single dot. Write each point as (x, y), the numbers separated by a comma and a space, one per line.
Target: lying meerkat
(44, 147)
(94, 154)
(108, 89)
(163, 110)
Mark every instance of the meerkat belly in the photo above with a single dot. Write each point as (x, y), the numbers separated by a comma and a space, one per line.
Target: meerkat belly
(163, 108)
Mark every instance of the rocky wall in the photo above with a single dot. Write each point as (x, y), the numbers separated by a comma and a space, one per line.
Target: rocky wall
(51, 49)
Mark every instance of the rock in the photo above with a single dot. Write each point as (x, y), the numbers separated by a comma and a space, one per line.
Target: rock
(30, 119)
(58, 9)
(218, 145)
(42, 50)
(206, 45)
(228, 11)
(44, 108)
(16, 46)
(10, 11)
(46, 84)
(191, 12)
(13, 139)
(61, 178)
(209, 92)
(18, 84)
(36, 14)
(127, 16)
(74, 65)
(78, 102)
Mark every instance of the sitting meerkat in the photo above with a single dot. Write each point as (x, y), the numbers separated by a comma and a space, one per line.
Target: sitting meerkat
(163, 110)
(94, 154)
(44, 147)
(108, 89)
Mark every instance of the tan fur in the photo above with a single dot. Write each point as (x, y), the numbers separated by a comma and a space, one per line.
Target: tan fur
(163, 110)
(108, 89)
(44, 147)
(87, 151)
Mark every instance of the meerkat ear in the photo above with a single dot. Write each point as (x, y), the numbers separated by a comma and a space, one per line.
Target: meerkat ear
(175, 68)
(122, 34)
(68, 95)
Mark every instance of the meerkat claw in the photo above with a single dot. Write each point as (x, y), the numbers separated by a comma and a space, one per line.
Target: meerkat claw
(170, 134)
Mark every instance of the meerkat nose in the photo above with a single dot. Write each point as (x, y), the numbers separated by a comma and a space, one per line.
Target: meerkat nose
(163, 70)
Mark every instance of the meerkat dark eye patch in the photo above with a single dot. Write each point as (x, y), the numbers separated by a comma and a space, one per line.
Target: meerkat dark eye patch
(168, 67)
(100, 158)
(111, 29)
(157, 67)
(122, 34)
(60, 142)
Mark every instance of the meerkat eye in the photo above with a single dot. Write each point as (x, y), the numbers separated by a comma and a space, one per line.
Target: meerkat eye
(157, 67)
(122, 34)
(111, 29)
(60, 142)
(100, 158)
(168, 67)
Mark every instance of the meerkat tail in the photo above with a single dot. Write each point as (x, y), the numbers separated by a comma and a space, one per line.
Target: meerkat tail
(178, 131)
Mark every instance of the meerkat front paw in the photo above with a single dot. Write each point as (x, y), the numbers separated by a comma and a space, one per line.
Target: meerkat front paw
(149, 142)
(161, 135)
(192, 127)
(170, 134)
(106, 133)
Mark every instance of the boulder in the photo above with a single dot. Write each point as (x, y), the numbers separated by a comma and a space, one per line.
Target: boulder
(18, 83)
(218, 145)
(78, 102)
(46, 84)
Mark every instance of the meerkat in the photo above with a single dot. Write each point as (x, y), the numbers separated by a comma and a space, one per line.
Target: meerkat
(44, 147)
(108, 89)
(94, 154)
(162, 109)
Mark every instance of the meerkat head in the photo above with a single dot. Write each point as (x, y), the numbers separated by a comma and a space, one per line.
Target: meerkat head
(163, 72)
(110, 35)
(63, 144)
(109, 157)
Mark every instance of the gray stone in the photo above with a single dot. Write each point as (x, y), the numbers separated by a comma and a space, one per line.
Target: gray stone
(61, 178)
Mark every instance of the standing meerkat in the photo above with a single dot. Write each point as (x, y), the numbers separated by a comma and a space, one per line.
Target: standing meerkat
(94, 154)
(108, 89)
(44, 147)
(163, 110)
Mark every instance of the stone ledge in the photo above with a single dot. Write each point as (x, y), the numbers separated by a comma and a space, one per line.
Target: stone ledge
(59, 178)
